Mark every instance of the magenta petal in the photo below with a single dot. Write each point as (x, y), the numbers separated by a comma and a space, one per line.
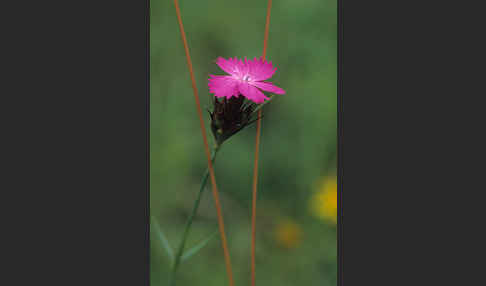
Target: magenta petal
(230, 66)
(251, 92)
(260, 69)
(223, 86)
(225, 65)
(268, 86)
(244, 67)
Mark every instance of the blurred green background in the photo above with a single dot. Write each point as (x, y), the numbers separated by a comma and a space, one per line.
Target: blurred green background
(296, 230)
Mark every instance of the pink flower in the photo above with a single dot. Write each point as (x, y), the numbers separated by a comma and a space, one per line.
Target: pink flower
(245, 78)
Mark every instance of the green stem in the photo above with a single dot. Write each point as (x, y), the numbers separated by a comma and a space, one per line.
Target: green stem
(180, 250)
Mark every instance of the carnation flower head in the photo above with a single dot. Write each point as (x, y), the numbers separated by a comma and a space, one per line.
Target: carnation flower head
(245, 78)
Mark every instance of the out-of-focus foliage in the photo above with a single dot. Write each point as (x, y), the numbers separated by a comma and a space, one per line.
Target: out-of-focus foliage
(298, 144)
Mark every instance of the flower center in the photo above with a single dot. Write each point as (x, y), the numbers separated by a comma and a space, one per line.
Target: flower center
(246, 78)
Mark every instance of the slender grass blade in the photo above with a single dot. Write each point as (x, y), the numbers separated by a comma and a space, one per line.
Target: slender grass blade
(163, 239)
(195, 249)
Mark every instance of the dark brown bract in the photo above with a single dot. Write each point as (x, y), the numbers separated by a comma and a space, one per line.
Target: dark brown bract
(230, 116)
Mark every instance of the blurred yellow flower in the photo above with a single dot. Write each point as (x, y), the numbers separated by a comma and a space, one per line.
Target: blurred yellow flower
(288, 234)
(323, 203)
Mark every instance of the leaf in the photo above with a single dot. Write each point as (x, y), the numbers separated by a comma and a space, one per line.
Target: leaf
(162, 238)
(195, 249)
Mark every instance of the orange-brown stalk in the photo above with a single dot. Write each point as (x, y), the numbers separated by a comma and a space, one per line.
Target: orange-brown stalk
(206, 148)
(255, 165)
